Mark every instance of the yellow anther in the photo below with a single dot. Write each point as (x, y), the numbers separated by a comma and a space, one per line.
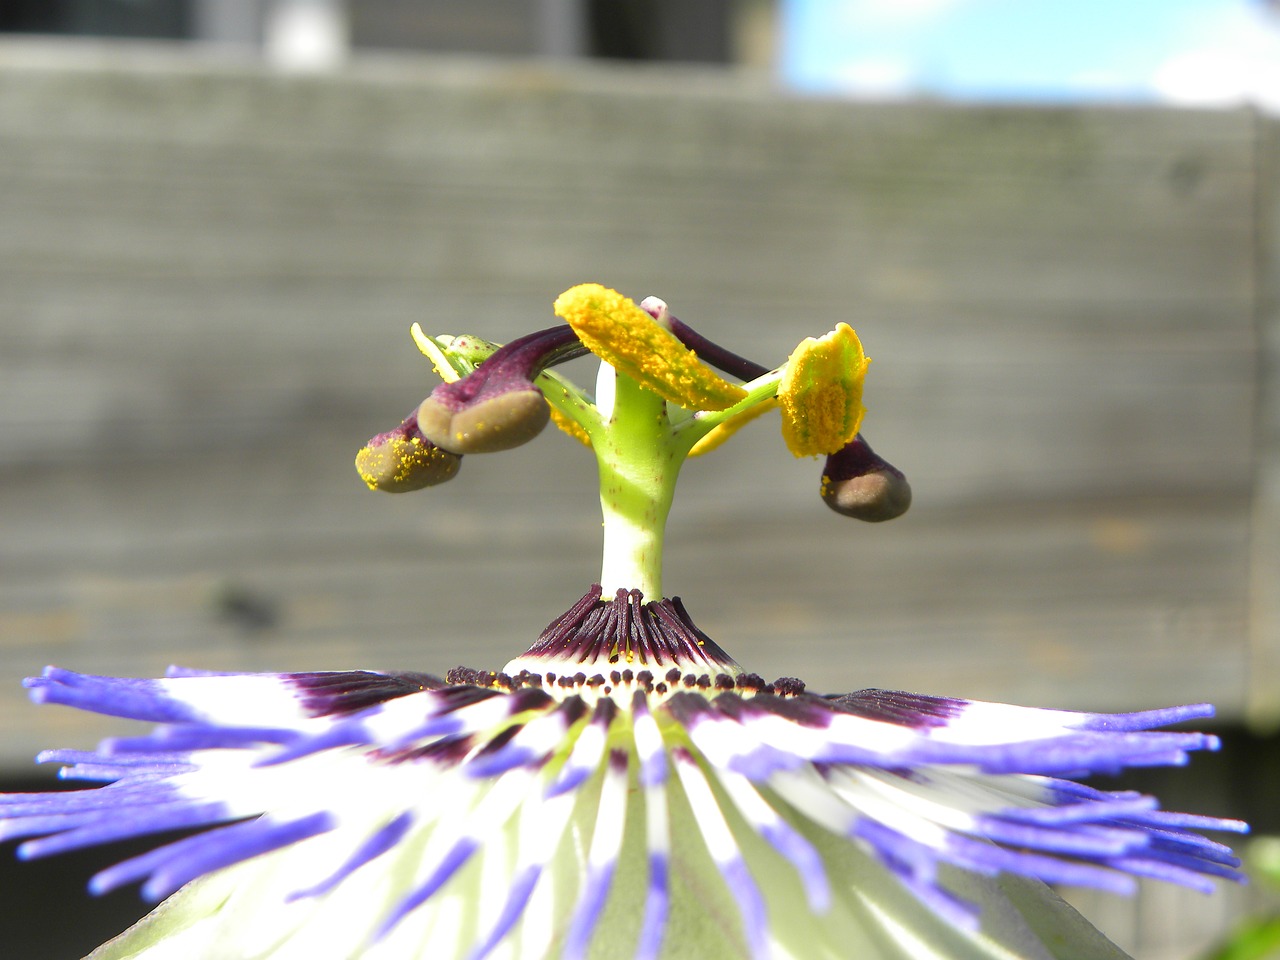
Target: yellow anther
(620, 333)
(821, 393)
(723, 431)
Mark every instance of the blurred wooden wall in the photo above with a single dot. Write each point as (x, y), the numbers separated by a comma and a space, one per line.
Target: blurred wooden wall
(207, 274)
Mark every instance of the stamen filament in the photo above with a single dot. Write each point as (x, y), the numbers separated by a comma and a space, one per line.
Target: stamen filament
(714, 354)
(703, 422)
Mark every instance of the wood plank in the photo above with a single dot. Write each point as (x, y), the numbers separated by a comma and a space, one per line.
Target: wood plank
(206, 274)
(1264, 612)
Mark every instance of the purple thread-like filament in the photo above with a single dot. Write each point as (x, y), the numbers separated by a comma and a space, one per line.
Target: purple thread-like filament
(383, 840)
(458, 855)
(518, 898)
(134, 699)
(595, 890)
(78, 831)
(267, 837)
(656, 904)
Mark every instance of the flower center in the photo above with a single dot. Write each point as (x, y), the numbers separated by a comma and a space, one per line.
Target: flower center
(625, 633)
(656, 402)
(615, 648)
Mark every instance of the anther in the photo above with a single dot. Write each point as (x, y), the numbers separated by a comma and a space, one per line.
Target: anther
(858, 483)
(403, 459)
(497, 406)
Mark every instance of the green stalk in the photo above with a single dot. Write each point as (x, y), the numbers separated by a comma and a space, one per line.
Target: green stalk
(639, 460)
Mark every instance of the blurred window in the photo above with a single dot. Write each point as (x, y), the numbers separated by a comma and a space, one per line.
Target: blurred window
(669, 30)
(100, 18)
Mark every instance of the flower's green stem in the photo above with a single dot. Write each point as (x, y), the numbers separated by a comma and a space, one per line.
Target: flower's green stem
(639, 459)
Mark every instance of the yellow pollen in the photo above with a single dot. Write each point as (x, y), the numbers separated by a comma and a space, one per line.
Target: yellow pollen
(617, 331)
(571, 427)
(821, 393)
(408, 458)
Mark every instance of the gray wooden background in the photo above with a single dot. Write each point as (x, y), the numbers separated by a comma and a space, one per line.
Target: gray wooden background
(207, 275)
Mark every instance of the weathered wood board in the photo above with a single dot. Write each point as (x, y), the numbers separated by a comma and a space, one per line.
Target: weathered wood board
(207, 273)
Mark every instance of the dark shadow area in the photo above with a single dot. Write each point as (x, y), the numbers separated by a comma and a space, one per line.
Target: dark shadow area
(689, 31)
(158, 19)
(46, 912)
(1241, 781)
